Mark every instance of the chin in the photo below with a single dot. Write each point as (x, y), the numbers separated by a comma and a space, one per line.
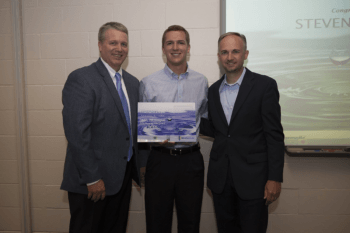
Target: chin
(231, 71)
(176, 63)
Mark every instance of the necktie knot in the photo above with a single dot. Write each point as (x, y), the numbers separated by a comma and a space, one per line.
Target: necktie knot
(118, 77)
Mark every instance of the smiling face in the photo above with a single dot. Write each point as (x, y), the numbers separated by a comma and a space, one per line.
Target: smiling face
(114, 48)
(232, 54)
(176, 48)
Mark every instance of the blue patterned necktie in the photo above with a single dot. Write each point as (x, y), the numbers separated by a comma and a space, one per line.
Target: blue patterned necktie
(125, 108)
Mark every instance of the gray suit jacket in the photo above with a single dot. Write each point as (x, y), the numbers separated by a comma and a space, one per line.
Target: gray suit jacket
(96, 129)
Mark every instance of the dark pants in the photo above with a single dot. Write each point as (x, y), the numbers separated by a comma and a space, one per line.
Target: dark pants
(109, 215)
(169, 178)
(234, 214)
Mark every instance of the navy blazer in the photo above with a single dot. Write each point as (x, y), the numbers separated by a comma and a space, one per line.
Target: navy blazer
(252, 145)
(96, 129)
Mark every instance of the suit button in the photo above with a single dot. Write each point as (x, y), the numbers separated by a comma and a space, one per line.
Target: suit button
(127, 138)
(125, 157)
(226, 155)
(228, 136)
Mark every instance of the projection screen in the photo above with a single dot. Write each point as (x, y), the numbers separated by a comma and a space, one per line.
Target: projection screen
(305, 46)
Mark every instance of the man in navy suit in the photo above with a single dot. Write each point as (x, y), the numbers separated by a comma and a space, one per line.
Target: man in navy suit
(246, 161)
(100, 122)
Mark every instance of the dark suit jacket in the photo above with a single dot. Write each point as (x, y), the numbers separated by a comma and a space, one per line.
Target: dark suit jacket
(252, 145)
(96, 129)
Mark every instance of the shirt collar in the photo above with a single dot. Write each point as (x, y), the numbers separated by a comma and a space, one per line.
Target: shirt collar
(171, 74)
(111, 71)
(239, 81)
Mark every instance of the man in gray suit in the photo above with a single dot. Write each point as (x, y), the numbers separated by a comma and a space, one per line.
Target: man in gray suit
(100, 121)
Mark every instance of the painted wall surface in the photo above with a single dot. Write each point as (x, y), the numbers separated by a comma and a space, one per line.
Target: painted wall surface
(61, 36)
(10, 216)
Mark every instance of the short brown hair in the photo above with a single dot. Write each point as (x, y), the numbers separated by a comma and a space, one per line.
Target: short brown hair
(110, 25)
(233, 34)
(176, 28)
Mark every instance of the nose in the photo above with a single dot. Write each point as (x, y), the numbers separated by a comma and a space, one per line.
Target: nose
(118, 47)
(175, 46)
(230, 56)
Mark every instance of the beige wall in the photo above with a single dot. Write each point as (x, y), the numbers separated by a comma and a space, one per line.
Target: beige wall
(60, 36)
(10, 207)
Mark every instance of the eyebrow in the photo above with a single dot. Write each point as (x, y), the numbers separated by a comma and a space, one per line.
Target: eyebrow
(225, 50)
(175, 41)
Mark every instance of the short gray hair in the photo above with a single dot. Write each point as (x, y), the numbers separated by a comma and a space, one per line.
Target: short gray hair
(233, 34)
(110, 25)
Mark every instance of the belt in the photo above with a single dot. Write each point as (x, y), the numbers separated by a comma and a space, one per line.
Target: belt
(177, 151)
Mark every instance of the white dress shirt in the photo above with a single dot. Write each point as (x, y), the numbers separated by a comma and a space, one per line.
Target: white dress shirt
(112, 73)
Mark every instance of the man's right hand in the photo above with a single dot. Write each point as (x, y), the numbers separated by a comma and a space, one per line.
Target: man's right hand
(97, 191)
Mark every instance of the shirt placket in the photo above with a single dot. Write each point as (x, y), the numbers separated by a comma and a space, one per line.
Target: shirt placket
(179, 88)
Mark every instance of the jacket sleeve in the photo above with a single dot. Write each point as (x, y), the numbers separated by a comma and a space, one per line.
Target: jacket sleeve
(78, 100)
(144, 148)
(271, 115)
(206, 126)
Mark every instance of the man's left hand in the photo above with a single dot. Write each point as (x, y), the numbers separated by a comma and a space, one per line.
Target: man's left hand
(272, 191)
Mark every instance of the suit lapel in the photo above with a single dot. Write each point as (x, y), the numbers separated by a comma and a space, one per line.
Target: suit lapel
(245, 88)
(112, 89)
(217, 100)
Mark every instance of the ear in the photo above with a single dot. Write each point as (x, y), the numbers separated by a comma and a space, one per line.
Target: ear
(246, 54)
(163, 50)
(188, 48)
(99, 46)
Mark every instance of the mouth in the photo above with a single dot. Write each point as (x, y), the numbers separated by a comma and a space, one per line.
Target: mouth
(117, 55)
(176, 54)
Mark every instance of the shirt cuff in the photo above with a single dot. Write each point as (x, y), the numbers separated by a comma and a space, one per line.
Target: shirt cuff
(88, 184)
